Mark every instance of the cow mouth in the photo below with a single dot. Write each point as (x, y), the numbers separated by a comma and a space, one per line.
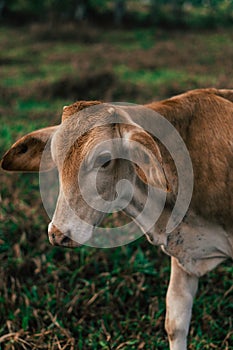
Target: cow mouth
(57, 238)
(63, 241)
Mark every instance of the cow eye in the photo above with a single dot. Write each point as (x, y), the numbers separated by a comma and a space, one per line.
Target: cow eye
(103, 160)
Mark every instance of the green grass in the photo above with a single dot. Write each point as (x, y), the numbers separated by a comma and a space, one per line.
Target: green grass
(131, 39)
(162, 77)
(54, 298)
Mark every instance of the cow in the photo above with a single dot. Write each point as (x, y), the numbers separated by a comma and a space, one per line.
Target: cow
(202, 239)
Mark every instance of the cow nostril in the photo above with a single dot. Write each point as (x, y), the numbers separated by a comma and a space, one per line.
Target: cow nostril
(65, 240)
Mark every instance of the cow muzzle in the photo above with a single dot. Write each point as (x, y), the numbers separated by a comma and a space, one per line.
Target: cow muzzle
(57, 238)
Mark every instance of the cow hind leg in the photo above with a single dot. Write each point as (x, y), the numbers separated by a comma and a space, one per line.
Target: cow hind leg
(181, 291)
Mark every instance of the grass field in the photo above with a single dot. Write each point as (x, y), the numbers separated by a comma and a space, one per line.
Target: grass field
(55, 298)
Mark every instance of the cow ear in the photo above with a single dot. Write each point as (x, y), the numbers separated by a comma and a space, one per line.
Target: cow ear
(25, 155)
(147, 159)
(76, 107)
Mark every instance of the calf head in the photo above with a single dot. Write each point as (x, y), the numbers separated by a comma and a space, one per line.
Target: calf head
(105, 161)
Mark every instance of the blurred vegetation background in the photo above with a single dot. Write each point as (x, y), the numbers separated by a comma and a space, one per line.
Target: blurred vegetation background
(53, 53)
(166, 13)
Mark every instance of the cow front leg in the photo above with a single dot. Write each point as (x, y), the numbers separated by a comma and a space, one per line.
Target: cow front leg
(181, 291)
